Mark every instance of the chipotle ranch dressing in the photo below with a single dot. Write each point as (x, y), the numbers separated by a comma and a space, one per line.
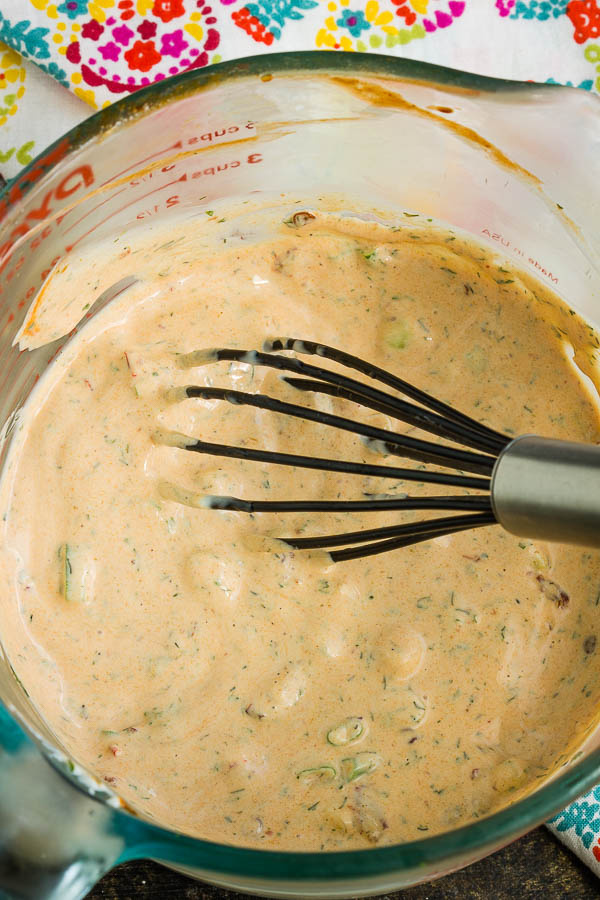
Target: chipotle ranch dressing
(234, 689)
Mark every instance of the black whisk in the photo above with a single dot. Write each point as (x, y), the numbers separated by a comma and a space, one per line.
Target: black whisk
(523, 484)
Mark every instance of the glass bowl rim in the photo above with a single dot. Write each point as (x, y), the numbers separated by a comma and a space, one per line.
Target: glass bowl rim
(482, 835)
(148, 99)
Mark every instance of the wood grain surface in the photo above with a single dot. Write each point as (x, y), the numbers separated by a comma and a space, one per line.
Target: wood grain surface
(536, 866)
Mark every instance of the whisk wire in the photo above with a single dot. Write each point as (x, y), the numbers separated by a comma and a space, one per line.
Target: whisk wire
(461, 431)
(236, 504)
(377, 374)
(388, 441)
(412, 529)
(423, 419)
(377, 547)
(323, 464)
(432, 415)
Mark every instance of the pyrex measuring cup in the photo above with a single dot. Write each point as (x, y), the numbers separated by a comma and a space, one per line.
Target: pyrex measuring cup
(516, 165)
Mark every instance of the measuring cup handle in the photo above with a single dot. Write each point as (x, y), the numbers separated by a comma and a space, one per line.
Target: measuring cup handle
(55, 841)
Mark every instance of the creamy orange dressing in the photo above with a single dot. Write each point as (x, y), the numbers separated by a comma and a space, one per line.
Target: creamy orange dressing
(247, 693)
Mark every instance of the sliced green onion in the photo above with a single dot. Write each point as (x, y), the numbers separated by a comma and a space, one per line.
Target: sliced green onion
(362, 764)
(76, 573)
(348, 732)
(66, 570)
(318, 774)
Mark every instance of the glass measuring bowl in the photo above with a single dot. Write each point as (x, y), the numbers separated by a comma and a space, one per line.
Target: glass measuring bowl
(516, 165)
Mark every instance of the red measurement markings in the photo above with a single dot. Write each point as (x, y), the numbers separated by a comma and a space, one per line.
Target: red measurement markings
(90, 211)
(140, 162)
(220, 132)
(83, 176)
(505, 242)
(131, 202)
(16, 190)
(209, 136)
(179, 145)
(251, 159)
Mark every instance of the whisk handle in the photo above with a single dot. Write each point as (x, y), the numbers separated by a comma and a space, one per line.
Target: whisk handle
(549, 490)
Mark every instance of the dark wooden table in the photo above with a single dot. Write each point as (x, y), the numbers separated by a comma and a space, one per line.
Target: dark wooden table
(534, 867)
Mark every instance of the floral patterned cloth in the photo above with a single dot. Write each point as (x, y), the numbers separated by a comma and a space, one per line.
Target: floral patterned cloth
(578, 826)
(97, 51)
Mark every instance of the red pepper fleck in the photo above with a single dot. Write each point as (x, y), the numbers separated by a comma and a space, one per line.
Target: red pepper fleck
(553, 591)
(133, 374)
